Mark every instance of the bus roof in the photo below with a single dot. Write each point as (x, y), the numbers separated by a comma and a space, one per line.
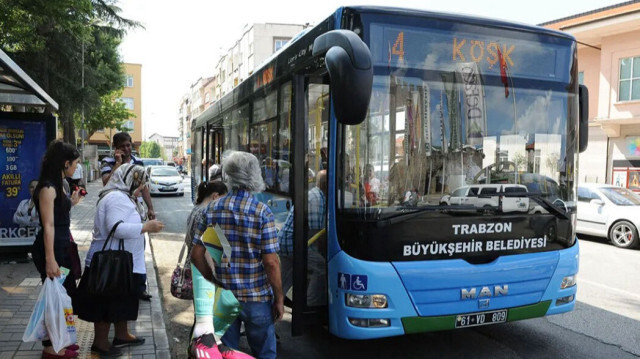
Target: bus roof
(281, 59)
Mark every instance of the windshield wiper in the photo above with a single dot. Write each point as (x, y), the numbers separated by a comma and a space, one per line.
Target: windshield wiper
(537, 197)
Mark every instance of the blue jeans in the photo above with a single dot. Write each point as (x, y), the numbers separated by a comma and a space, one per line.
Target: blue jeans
(259, 327)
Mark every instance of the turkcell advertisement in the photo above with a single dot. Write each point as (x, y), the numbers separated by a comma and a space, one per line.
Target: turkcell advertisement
(23, 144)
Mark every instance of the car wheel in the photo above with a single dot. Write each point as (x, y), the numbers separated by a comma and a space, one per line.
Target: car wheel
(182, 194)
(623, 234)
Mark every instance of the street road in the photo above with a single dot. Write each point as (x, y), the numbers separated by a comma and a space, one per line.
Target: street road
(605, 324)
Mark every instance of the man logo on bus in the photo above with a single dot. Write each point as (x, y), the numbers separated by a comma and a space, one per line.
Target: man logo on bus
(472, 293)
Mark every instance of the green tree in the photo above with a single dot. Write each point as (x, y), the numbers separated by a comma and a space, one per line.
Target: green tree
(150, 149)
(55, 40)
(110, 114)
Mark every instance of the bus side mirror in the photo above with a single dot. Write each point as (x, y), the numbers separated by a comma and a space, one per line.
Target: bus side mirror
(583, 110)
(348, 61)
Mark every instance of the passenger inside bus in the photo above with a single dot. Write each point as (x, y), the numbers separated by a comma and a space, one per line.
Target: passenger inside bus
(371, 186)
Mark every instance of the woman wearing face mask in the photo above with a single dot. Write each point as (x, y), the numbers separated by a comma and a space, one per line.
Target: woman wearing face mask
(117, 202)
(53, 204)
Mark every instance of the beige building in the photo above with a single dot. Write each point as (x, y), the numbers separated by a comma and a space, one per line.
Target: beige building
(609, 65)
(132, 98)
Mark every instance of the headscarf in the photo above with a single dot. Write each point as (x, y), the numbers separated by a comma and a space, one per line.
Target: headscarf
(126, 178)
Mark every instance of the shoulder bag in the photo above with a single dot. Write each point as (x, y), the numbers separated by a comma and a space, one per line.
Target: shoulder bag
(181, 281)
(111, 270)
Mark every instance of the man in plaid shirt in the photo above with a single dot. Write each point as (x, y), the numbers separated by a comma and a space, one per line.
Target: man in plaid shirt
(317, 212)
(252, 271)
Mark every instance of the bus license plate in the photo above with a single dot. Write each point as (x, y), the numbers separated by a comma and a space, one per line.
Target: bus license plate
(483, 318)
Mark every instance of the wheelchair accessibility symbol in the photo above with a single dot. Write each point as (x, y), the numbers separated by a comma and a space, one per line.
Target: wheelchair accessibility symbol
(352, 281)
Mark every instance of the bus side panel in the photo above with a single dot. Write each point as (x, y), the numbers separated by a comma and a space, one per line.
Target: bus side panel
(568, 264)
(349, 275)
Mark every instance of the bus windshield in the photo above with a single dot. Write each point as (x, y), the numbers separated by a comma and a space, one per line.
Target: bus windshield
(462, 107)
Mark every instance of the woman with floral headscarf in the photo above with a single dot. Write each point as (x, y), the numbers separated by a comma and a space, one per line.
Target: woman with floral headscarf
(117, 202)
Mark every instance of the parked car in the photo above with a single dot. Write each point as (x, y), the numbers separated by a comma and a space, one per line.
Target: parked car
(489, 196)
(610, 212)
(165, 180)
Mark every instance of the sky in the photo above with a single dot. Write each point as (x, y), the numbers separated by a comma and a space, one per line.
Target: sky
(183, 40)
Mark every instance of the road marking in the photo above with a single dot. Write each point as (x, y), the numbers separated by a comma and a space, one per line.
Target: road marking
(609, 288)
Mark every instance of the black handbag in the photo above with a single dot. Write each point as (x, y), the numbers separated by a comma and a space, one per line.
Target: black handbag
(111, 270)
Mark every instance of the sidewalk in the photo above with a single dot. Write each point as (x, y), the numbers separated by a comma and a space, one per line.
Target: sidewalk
(20, 286)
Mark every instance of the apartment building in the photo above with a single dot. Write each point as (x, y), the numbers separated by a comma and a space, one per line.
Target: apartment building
(256, 44)
(609, 65)
(168, 144)
(132, 98)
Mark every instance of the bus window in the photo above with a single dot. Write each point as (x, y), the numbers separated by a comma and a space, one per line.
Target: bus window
(317, 117)
(284, 138)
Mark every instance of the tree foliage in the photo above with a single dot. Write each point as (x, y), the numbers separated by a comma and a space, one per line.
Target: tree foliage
(150, 149)
(54, 40)
(110, 114)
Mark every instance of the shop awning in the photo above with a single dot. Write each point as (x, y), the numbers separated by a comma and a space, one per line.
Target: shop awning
(18, 89)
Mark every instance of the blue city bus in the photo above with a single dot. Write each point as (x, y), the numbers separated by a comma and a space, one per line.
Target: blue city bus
(402, 107)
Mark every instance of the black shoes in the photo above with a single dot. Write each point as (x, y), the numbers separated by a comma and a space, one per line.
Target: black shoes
(145, 296)
(118, 343)
(112, 352)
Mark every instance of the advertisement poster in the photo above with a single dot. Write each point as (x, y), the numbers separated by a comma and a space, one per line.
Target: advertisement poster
(634, 179)
(23, 144)
(620, 178)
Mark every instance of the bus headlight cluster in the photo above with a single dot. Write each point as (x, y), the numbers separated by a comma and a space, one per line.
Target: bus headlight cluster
(568, 281)
(366, 300)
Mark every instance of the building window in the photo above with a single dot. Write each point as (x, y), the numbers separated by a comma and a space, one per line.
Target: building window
(581, 77)
(127, 101)
(629, 86)
(129, 126)
(128, 81)
(278, 43)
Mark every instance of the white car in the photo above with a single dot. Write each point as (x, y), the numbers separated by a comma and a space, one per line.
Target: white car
(610, 212)
(165, 180)
(489, 196)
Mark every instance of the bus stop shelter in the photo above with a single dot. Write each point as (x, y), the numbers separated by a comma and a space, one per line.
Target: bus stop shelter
(27, 125)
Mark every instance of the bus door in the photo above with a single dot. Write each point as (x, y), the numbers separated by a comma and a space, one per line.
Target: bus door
(213, 147)
(310, 131)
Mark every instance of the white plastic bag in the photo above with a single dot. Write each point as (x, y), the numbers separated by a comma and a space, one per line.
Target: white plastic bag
(58, 315)
(36, 331)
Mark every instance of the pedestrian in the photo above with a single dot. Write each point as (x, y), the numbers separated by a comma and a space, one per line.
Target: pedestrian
(316, 263)
(77, 179)
(252, 269)
(123, 146)
(117, 202)
(26, 214)
(53, 203)
(203, 290)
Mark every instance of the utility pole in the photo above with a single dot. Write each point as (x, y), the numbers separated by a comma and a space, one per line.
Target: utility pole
(82, 131)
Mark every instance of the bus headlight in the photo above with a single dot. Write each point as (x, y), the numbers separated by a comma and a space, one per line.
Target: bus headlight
(366, 300)
(568, 281)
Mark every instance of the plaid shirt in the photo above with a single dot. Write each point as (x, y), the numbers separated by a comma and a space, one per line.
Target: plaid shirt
(250, 229)
(316, 208)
